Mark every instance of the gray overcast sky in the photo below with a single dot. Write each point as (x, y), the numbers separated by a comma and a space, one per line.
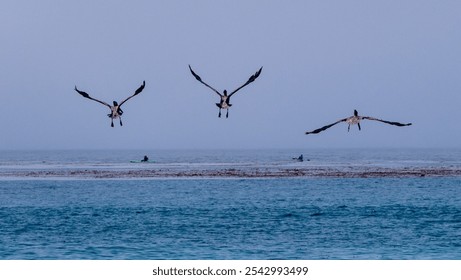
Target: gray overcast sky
(396, 60)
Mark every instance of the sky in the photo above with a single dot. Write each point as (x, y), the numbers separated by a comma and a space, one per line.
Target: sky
(394, 60)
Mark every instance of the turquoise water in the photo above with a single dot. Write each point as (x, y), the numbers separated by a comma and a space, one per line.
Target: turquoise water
(230, 218)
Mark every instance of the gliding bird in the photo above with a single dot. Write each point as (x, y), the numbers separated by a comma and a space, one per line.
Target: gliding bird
(224, 103)
(115, 110)
(355, 119)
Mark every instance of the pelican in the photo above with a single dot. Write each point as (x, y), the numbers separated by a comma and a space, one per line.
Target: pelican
(115, 110)
(224, 103)
(355, 119)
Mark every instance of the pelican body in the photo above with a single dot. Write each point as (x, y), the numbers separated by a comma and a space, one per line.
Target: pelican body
(224, 102)
(355, 120)
(116, 111)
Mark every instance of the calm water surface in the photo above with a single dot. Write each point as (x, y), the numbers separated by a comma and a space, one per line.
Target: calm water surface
(231, 219)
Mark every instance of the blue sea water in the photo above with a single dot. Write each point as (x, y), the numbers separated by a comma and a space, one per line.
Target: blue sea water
(230, 218)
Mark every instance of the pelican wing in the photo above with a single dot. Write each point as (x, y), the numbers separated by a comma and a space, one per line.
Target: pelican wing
(250, 80)
(325, 127)
(200, 80)
(135, 93)
(388, 122)
(84, 94)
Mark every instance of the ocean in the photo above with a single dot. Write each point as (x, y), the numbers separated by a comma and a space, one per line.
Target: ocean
(233, 204)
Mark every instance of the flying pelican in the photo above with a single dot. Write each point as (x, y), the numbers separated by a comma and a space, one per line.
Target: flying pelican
(115, 110)
(355, 119)
(224, 103)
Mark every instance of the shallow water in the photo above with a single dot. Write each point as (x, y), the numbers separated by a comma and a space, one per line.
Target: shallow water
(288, 218)
(338, 163)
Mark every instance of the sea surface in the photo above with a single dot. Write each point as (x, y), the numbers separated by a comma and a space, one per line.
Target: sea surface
(49, 210)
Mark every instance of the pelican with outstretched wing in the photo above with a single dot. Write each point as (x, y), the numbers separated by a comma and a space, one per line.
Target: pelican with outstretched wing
(224, 103)
(116, 111)
(355, 119)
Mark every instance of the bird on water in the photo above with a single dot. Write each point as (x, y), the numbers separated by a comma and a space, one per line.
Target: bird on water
(355, 119)
(224, 102)
(116, 111)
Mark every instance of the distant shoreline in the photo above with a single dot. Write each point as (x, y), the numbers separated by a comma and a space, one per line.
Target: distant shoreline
(253, 172)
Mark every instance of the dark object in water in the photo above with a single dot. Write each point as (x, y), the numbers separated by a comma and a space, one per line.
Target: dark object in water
(300, 158)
